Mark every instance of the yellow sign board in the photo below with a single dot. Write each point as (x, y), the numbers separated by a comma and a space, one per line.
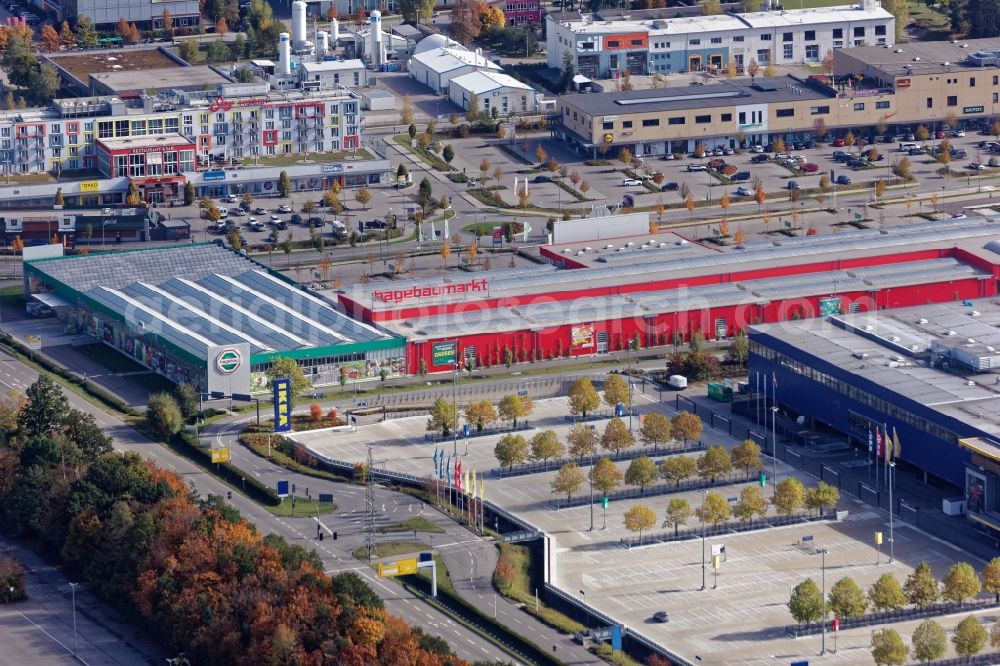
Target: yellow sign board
(397, 568)
(716, 560)
(90, 186)
(220, 455)
(878, 538)
(34, 341)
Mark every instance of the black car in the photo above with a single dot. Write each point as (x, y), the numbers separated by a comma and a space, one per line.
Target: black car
(793, 185)
(671, 186)
(959, 154)
(843, 180)
(809, 145)
(915, 151)
(295, 218)
(740, 177)
(758, 158)
(280, 225)
(799, 145)
(542, 179)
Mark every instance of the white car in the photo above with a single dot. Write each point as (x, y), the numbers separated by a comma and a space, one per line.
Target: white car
(284, 208)
(630, 181)
(275, 219)
(976, 166)
(958, 134)
(223, 213)
(697, 167)
(238, 212)
(231, 198)
(758, 148)
(743, 191)
(668, 156)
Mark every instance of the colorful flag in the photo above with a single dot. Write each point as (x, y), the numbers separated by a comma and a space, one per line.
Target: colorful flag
(879, 445)
(437, 467)
(465, 481)
(458, 475)
(897, 449)
(473, 482)
(482, 491)
(871, 442)
(888, 446)
(447, 469)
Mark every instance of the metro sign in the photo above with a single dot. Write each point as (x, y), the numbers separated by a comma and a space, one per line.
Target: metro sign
(228, 361)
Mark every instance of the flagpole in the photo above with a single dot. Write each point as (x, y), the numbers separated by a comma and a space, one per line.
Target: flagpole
(774, 432)
(757, 398)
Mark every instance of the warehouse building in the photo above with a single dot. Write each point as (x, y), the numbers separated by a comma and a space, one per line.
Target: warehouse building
(493, 90)
(210, 316)
(437, 60)
(929, 373)
(592, 301)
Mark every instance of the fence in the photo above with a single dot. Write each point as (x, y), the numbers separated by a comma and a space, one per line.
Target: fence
(436, 437)
(901, 615)
(688, 533)
(625, 454)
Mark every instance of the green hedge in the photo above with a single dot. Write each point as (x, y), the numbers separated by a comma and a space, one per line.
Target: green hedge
(109, 399)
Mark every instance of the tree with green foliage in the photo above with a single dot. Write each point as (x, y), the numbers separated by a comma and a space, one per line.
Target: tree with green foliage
(750, 504)
(402, 173)
(929, 641)
(583, 397)
(284, 184)
(888, 648)
(970, 637)
(961, 583)
(642, 472)
(617, 437)
(443, 416)
(46, 407)
(678, 468)
(886, 594)
(187, 399)
(715, 462)
(163, 416)
(448, 153)
(425, 194)
(822, 496)
(567, 72)
(512, 407)
(86, 34)
(679, 511)
(991, 577)
(189, 193)
(789, 496)
(354, 586)
(616, 391)
(288, 368)
(655, 430)
(511, 450)
(82, 429)
(806, 603)
(569, 479)
(545, 445)
(922, 588)
(605, 476)
(846, 599)
(189, 52)
(218, 51)
(714, 509)
(739, 348)
(39, 82)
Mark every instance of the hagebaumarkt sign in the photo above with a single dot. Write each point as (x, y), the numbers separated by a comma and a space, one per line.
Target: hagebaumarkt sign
(228, 361)
(443, 353)
(415, 292)
(973, 109)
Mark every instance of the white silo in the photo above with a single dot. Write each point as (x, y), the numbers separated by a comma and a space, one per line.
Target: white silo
(334, 32)
(299, 38)
(322, 43)
(377, 47)
(284, 55)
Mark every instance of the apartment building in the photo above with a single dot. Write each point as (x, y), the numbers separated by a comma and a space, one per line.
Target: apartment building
(605, 45)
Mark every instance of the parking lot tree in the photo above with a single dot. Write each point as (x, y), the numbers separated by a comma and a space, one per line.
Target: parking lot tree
(970, 637)
(921, 133)
(512, 407)
(886, 594)
(639, 518)
(66, 36)
(448, 153)
(888, 648)
(443, 416)
(212, 214)
(480, 414)
(641, 472)
(750, 504)
(234, 238)
(446, 252)
(714, 509)
(902, 169)
(715, 462)
(551, 164)
(625, 156)
(425, 193)
(821, 496)
(746, 456)
(929, 641)
(991, 577)
(48, 40)
(511, 450)
(679, 511)
(921, 587)
(655, 430)
(605, 476)
(879, 189)
(806, 603)
(163, 416)
(569, 479)
(699, 150)
(546, 445)
(687, 426)
(584, 187)
(423, 141)
(402, 173)
(678, 468)
(583, 397)
(846, 599)
(617, 436)
(582, 440)
(363, 196)
(789, 496)
(960, 583)
(689, 204)
(779, 145)
(760, 196)
(615, 390)
(284, 184)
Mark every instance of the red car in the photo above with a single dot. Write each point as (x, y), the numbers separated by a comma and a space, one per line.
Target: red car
(939, 134)
(839, 143)
(809, 167)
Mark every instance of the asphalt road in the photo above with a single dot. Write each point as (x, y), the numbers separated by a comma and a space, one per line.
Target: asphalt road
(336, 555)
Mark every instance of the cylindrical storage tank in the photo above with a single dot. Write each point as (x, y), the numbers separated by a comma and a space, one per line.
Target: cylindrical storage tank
(298, 24)
(284, 54)
(323, 45)
(334, 32)
(376, 20)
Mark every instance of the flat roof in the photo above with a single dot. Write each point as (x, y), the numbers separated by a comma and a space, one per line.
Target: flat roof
(332, 65)
(81, 65)
(972, 234)
(171, 139)
(922, 57)
(196, 296)
(448, 58)
(479, 83)
(166, 78)
(864, 345)
(724, 93)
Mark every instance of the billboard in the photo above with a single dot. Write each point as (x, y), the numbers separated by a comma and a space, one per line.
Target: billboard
(444, 353)
(220, 455)
(214, 175)
(829, 306)
(228, 369)
(398, 568)
(282, 404)
(90, 186)
(34, 341)
(582, 337)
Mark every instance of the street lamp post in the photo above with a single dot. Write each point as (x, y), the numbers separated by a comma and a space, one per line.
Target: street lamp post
(454, 405)
(628, 356)
(704, 496)
(73, 588)
(822, 552)
(892, 478)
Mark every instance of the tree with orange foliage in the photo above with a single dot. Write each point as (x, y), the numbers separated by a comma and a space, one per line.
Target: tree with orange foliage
(48, 39)
(739, 237)
(760, 196)
(316, 412)
(689, 204)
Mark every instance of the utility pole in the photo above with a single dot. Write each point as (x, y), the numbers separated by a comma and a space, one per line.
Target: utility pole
(704, 496)
(73, 588)
(370, 505)
(822, 552)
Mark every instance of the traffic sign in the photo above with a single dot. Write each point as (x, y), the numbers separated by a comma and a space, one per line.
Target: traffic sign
(835, 625)
(604, 502)
(522, 393)
(325, 498)
(616, 637)
(220, 455)
(398, 568)
(762, 480)
(878, 538)
(282, 488)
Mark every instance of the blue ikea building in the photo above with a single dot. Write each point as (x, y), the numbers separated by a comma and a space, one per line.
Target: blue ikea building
(931, 373)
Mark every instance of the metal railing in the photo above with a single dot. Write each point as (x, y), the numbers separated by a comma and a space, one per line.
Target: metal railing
(686, 485)
(901, 615)
(625, 454)
(688, 533)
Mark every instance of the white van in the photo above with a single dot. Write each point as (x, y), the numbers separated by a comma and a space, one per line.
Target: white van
(677, 382)
(907, 145)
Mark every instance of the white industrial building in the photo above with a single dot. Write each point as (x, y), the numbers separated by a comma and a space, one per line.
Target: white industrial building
(601, 48)
(493, 89)
(437, 60)
(334, 73)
